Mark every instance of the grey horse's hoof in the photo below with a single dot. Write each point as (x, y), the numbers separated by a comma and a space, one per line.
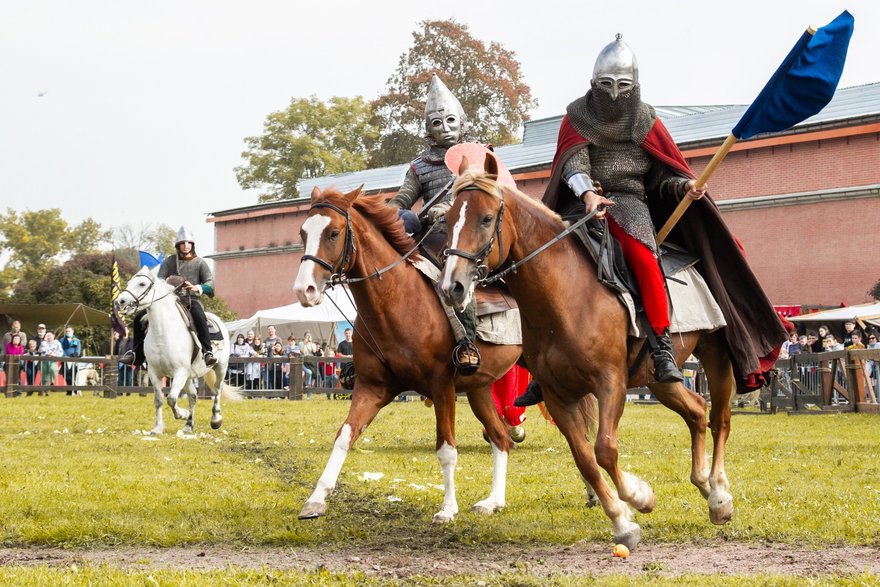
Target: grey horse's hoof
(517, 433)
(630, 538)
(215, 424)
(312, 510)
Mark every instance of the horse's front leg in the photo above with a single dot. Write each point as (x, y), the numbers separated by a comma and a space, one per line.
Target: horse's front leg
(722, 386)
(447, 453)
(365, 404)
(571, 421)
(499, 438)
(178, 382)
(159, 428)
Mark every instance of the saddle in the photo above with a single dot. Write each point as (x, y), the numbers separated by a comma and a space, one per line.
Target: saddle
(614, 271)
(214, 333)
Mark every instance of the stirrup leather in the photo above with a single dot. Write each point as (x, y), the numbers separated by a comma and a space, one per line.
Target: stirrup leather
(466, 357)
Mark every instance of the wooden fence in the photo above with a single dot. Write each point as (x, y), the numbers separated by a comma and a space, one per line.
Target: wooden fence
(277, 377)
(825, 382)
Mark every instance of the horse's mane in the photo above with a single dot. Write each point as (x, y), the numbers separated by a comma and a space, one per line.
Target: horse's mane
(488, 183)
(380, 215)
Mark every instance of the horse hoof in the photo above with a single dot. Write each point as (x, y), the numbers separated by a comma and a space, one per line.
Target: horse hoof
(157, 431)
(630, 538)
(720, 507)
(312, 510)
(444, 516)
(593, 501)
(215, 424)
(486, 507)
(185, 432)
(517, 434)
(642, 495)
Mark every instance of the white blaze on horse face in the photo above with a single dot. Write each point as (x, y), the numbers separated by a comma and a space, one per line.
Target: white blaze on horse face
(305, 287)
(453, 260)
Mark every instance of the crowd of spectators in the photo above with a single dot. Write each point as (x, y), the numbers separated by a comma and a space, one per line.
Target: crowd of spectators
(256, 375)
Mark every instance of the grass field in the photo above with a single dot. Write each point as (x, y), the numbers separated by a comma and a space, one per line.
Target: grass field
(78, 473)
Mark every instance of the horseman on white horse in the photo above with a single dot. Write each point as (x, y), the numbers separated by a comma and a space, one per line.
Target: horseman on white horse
(192, 275)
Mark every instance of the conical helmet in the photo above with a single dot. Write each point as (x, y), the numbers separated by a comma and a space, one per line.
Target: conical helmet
(184, 235)
(618, 61)
(441, 101)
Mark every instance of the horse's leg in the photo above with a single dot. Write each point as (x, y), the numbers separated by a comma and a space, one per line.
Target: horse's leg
(191, 394)
(178, 381)
(692, 408)
(216, 414)
(719, 372)
(447, 453)
(499, 438)
(573, 425)
(612, 396)
(159, 428)
(365, 404)
(592, 500)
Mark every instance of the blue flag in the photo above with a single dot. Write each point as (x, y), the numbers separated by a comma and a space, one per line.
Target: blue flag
(803, 84)
(149, 261)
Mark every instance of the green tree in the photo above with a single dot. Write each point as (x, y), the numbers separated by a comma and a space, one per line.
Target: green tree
(875, 291)
(310, 138)
(38, 240)
(486, 80)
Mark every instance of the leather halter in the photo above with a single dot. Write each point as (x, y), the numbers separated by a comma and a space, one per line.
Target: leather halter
(479, 257)
(139, 298)
(341, 264)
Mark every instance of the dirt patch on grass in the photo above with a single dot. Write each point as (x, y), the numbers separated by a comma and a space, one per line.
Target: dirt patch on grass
(400, 561)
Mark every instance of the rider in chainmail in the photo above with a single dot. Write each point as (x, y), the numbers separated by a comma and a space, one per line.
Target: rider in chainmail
(611, 124)
(427, 176)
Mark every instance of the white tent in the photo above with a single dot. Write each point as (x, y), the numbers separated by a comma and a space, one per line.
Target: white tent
(868, 313)
(320, 320)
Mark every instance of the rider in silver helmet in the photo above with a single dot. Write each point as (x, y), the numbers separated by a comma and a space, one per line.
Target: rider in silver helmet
(613, 151)
(427, 176)
(194, 278)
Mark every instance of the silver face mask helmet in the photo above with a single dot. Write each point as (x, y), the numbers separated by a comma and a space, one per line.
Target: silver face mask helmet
(183, 236)
(616, 70)
(445, 121)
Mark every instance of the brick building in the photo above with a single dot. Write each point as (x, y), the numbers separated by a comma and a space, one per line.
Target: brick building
(805, 203)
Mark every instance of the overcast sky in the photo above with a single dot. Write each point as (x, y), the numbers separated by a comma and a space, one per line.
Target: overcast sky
(132, 112)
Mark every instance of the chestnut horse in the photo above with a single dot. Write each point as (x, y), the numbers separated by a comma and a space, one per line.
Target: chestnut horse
(405, 340)
(575, 342)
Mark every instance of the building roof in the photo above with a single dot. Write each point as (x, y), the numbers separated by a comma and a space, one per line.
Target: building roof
(690, 126)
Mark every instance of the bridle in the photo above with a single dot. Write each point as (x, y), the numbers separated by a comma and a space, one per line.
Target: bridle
(339, 267)
(484, 277)
(479, 258)
(139, 298)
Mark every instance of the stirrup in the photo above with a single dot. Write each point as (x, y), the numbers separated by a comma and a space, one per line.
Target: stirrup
(209, 359)
(127, 358)
(466, 357)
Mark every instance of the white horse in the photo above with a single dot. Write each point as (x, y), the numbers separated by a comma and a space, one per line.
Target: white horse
(170, 349)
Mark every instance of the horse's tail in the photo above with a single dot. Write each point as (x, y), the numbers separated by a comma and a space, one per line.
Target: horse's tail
(226, 391)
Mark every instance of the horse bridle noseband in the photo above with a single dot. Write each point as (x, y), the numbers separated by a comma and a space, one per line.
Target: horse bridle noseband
(338, 268)
(479, 257)
(139, 299)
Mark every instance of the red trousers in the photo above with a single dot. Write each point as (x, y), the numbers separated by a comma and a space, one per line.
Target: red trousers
(507, 389)
(646, 268)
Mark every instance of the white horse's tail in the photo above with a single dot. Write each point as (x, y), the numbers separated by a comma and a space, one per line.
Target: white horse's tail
(227, 391)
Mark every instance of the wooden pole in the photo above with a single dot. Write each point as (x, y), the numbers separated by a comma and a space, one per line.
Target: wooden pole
(701, 181)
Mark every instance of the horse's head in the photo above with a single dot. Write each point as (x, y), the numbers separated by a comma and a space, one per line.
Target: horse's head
(478, 241)
(328, 241)
(139, 292)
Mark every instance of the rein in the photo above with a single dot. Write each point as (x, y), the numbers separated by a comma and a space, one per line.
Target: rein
(140, 298)
(480, 256)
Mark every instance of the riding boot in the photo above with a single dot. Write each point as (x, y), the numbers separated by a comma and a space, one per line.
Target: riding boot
(139, 332)
(532, 396)
(200, 321)
(663, 355)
